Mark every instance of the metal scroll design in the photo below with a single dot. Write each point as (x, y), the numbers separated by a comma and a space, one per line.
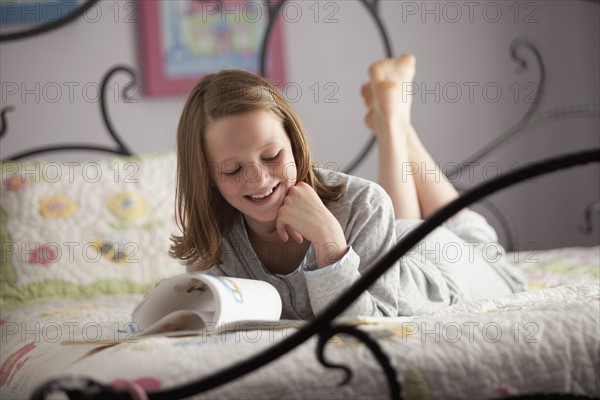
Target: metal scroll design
(515, 49)
(383, 360)
(532, 118)
(372, 9)
(502, 217)
(120, 149)
(50, 26)
(323, 325)
(3, 119)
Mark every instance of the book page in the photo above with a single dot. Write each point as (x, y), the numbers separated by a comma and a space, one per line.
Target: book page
(244, 299)
(188, 301)
(202, 303)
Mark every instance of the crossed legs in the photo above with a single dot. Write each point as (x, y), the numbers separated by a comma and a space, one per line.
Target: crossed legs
(402, 157)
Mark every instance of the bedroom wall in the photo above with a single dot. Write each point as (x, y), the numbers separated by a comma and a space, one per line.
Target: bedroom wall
(469, 91)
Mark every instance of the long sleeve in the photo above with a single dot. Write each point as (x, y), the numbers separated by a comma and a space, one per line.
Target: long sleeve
(446, 267)
(427, 278)
(369, 232)
(365, 214)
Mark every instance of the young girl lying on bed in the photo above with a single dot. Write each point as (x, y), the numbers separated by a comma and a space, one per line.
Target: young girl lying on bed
(253, 205)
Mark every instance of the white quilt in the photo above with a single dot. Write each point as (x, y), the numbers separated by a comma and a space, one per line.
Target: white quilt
(544, 341)
(67, 239)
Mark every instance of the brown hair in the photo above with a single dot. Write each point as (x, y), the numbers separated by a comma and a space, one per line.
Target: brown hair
(204, 216)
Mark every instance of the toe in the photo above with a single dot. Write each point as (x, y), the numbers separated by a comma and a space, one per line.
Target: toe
(407, 60)
(401, 69)
(379, 70)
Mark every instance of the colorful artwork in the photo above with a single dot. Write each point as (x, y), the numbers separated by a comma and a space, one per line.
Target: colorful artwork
(184, 40)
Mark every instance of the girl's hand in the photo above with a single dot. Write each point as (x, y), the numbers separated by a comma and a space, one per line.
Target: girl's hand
(304, 216)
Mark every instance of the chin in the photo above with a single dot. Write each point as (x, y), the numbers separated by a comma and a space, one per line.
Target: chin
(264, 219)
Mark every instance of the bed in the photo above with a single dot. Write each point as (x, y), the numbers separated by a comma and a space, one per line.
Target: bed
(544, 341)
(79, 251)
(82, 241)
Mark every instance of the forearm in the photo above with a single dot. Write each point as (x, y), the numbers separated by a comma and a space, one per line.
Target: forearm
(330, 245)
(326, 285)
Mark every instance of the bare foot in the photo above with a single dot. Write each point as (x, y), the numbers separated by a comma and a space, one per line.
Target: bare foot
(383, 99)
(401, 69)
(386, 95)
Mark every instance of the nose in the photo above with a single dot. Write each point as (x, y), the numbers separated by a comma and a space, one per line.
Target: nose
(257, 175)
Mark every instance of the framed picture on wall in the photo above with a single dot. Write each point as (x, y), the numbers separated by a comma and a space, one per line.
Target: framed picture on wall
(186, 39)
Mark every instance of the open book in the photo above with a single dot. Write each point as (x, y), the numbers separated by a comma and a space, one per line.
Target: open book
(190, 304)
(200, 302)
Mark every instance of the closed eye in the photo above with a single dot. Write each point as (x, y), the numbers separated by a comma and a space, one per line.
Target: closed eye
(269, 159)
(232, 173)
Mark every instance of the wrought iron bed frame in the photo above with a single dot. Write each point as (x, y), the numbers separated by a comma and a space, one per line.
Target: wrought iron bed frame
(323, 326)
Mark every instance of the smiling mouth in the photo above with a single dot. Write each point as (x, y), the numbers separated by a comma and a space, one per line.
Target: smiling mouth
(262, 196)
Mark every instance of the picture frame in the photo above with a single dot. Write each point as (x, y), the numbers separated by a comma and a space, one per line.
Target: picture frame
(183, 40)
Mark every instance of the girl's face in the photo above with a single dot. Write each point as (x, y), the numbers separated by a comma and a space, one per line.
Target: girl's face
(251, 163)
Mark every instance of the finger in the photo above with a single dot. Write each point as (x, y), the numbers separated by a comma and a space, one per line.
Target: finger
(295, 235)
(280, 227)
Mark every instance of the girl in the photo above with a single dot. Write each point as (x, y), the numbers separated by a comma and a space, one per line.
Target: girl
(252, 205)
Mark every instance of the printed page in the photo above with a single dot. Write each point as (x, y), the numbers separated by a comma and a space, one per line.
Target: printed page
(188, 303)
